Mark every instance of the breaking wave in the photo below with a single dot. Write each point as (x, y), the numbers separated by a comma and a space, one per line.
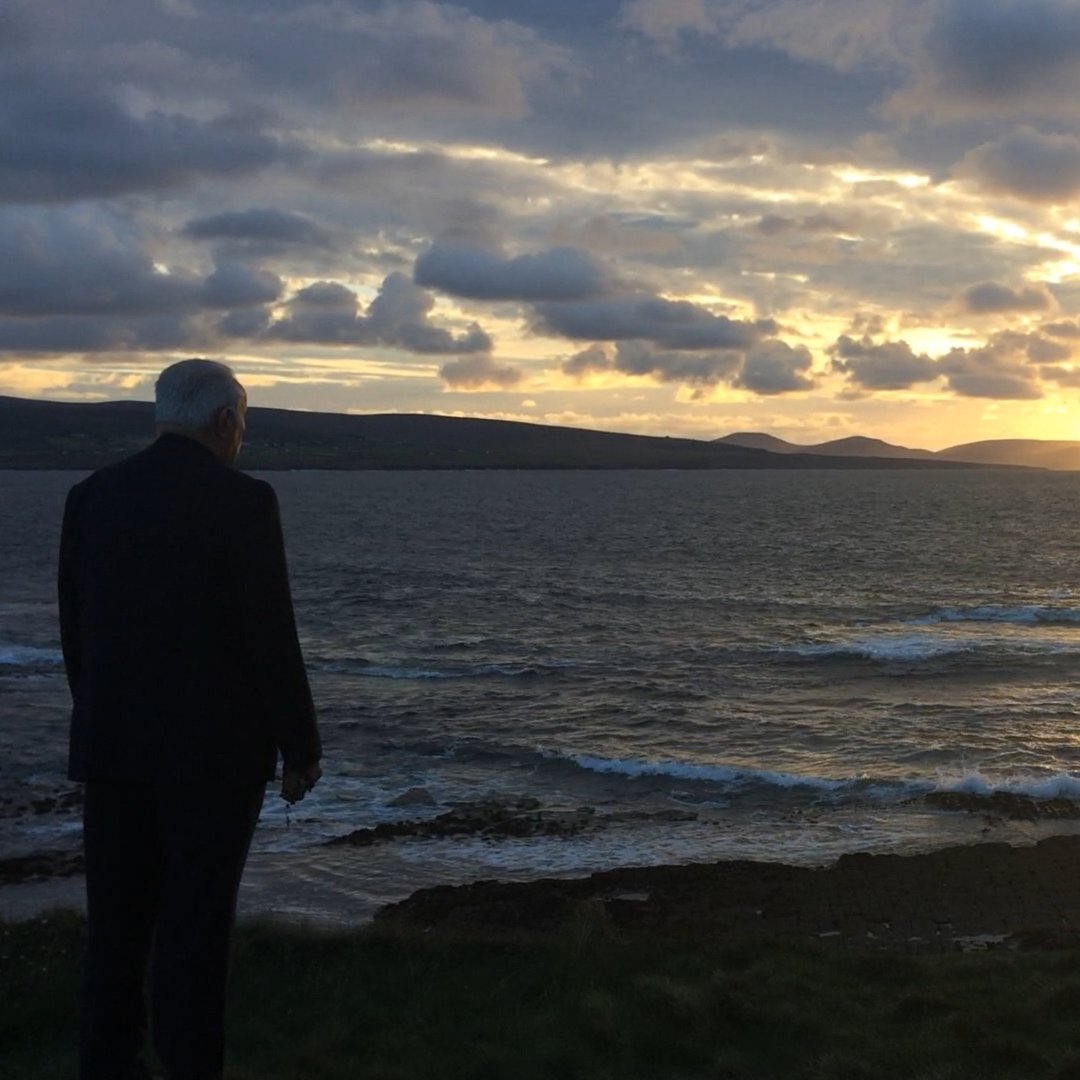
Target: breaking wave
(29, 656)
(1019, 615)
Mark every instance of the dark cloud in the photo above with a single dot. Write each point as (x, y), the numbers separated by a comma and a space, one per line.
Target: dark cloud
(327, 313)
(479, 373)
(1001, 369)
(260, 226)
(234, 285)
(85, 281)
(891, 365)
(563, 273)
(55, 262)
(671, 324)
(1033, 346)
(62, 143)
(990, 298)
(1028, 164)
(771, 367)
(61, 334)
(774, 367)
(1065, 329)
(594, 358)
(705, 368)
(1009, 56)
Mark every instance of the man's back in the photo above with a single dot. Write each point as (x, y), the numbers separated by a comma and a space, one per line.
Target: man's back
(177, 624)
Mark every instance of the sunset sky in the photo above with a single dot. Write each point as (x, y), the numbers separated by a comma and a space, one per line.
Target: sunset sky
(815, 218)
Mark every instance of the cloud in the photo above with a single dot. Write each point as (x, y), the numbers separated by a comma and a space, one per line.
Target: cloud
(774, 367)
(260, 226)
(847, 35)
(479, 373)
(672, 324)
(664, 21)
(72, 263)
(235, 285)
(1065, 329)
(327, 313)
(1008, 57)
(403, 57)
(563, 273)
(990, 298)
(64, 142)
(1027, 164)
(692, 368)
(87, 334)
(891, 365)
(594, 358)
(843, 34)
(1001, 369)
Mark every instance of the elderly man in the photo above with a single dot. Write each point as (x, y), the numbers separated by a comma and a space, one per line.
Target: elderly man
(187, 681)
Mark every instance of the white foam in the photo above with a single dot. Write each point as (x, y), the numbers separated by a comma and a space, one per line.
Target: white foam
(29, 656)
(686, 770)
(891, 648)
(1060, 785)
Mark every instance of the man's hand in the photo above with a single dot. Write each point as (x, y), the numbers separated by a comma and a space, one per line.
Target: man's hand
(295, 783)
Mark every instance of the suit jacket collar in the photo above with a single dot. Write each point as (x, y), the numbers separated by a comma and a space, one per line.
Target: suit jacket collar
(173, 443)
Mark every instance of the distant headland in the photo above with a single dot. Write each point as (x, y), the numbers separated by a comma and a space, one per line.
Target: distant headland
(64, 435)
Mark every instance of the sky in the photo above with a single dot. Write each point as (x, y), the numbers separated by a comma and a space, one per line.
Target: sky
(814, 218)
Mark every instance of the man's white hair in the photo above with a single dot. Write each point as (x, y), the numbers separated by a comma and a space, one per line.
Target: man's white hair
(189, 393)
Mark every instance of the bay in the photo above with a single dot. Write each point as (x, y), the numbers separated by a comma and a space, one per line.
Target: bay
(769, 665)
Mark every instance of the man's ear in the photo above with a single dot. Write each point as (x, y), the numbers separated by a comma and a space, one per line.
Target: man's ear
(225, 421)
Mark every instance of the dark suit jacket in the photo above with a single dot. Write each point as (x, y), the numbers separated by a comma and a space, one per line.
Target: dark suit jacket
(177, 624)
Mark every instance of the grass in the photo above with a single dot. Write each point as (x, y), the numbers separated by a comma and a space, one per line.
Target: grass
(583, 1003)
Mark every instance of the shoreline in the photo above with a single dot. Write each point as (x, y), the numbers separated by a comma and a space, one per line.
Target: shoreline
(986, 895)
(972, 896)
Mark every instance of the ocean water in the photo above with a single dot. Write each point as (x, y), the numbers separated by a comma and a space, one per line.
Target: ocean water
(773, 665)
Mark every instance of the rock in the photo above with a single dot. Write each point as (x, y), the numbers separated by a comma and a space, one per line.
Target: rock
(40, 867)
(1004, 804)
(487, 818)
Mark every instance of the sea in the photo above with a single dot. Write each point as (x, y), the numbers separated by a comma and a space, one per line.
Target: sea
(685, 666)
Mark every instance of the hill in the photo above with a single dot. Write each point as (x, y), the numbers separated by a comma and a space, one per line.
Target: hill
(1029, 453)
(1041, 453)
(853, 446)
(65, 435)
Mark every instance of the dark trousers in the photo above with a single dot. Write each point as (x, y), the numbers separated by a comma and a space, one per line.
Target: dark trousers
(163, 866)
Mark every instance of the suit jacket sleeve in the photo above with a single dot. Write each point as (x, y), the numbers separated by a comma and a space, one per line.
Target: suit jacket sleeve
(269, 629)
(67, 593)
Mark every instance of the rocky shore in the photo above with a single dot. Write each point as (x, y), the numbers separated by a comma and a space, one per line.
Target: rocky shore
(976, 896)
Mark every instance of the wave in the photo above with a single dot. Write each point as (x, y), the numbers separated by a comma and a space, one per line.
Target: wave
(1019, 615)
(29, 656)
(726, 775)
(1060, 785)
(899, 648)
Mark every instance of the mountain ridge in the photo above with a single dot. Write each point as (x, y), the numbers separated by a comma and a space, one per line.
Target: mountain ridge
(37, 434)
(1056, 454)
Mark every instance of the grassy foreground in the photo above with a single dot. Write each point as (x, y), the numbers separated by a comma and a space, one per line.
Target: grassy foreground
(583, 1003)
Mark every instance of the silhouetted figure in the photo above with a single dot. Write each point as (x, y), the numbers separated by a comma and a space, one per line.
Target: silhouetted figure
(187, 680)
